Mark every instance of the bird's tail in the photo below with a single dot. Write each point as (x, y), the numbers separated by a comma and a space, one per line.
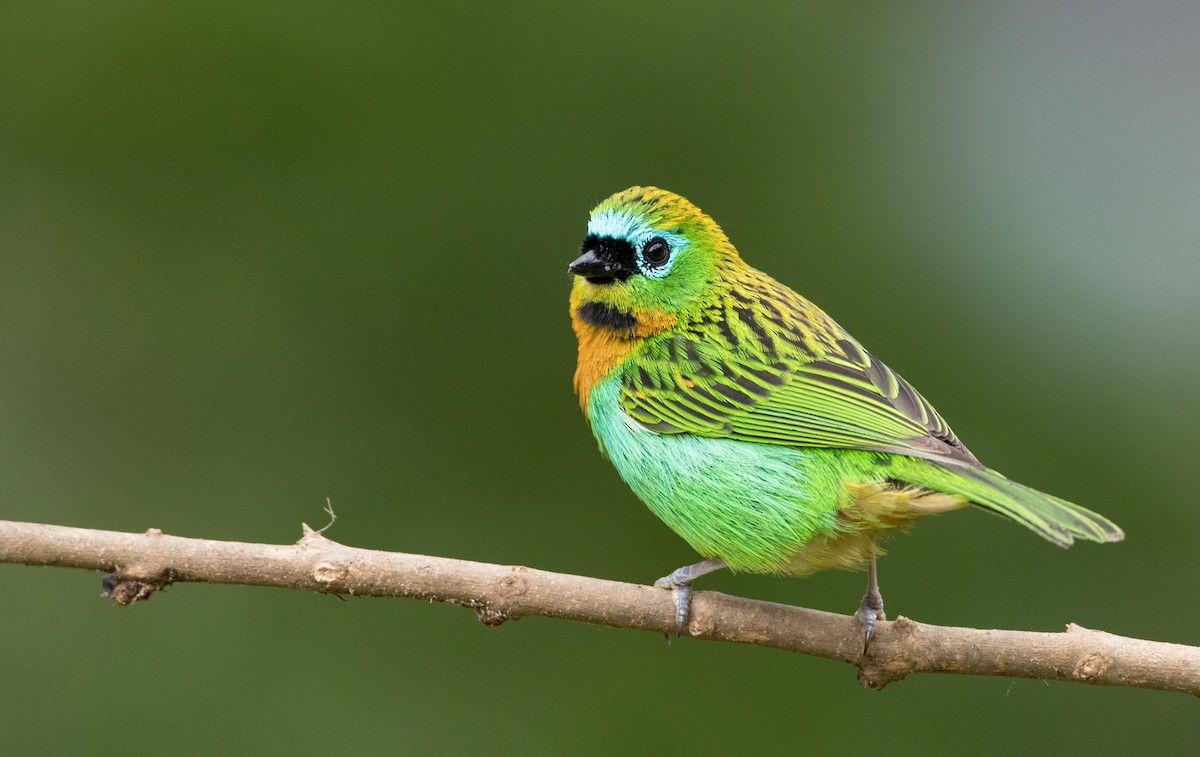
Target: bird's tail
(1051, 518)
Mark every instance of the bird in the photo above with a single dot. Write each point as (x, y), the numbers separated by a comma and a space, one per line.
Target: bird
(752, 424)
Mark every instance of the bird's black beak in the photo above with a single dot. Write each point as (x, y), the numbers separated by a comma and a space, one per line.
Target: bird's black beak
(591, 266)
(603, 260)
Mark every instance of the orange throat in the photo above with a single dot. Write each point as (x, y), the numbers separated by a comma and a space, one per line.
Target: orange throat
(602, 349)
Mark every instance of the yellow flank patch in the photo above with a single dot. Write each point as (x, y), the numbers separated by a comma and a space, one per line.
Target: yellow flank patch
(848, 550)
(883, 506)
(872, 509)
(601, 350)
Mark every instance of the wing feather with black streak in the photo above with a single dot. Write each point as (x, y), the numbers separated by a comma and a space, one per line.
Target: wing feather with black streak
(768, 366)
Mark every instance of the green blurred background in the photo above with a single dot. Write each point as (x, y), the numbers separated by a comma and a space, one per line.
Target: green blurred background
(257, 255)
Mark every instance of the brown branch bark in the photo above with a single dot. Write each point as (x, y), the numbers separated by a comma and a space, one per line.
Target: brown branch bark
(143, 563)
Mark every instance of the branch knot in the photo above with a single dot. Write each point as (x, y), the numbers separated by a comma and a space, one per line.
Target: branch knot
(328, 572)
(1092, 666)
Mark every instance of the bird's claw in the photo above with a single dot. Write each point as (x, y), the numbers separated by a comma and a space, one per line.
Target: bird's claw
(680, 584)
(681, 594)
(869, 611)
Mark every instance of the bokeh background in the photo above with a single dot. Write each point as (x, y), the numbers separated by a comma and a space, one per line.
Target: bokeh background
(253, 255)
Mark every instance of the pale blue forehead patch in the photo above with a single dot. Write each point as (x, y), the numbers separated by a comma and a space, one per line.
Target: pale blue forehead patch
(622, 224)
(618, 224)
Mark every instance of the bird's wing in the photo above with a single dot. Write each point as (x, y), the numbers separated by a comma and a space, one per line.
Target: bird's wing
(842, 398)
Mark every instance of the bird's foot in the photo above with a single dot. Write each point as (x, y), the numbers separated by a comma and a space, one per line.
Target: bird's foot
(869, 611)
(681, 594)
(680, 584)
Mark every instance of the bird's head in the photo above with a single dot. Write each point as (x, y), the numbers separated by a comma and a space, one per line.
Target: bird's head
(649, 256)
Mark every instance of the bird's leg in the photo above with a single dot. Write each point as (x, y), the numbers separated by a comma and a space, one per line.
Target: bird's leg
(680, 584)
(871, 607)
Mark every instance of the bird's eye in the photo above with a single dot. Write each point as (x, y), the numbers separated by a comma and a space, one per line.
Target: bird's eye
(656, 252)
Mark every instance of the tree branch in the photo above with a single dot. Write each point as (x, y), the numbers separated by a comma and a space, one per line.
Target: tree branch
(140, 564)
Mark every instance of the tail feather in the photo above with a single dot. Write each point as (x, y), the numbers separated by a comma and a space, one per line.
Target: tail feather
(1054, 519)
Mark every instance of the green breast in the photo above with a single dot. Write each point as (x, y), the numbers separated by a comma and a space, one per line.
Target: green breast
(752, 505)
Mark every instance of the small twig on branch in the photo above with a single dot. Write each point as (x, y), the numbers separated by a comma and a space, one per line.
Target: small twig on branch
(141, 564)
